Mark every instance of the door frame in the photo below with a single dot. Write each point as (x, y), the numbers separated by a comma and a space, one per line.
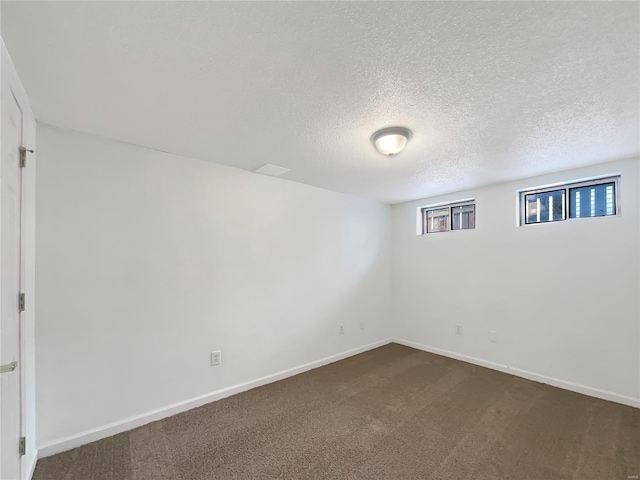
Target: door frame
(27, 264)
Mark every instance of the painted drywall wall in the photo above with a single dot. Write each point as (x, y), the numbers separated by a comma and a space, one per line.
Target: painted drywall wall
(149, 261)
(27, 360)
(562, 297)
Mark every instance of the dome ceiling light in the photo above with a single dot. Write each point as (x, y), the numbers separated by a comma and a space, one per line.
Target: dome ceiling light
(390, 141)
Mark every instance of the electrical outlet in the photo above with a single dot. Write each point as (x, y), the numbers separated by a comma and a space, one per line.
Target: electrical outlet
(361, 325)
(459, 329)
(216, 358)
(493, 336)
(341, 328)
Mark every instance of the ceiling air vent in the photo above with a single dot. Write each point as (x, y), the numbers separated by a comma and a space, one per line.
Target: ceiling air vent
(273, 170)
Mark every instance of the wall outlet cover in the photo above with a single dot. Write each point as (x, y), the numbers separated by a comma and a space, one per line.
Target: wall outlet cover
(216, 358)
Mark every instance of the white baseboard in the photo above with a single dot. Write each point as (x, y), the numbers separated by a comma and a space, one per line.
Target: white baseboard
(31, 466)
(98, 433)
(536, 377)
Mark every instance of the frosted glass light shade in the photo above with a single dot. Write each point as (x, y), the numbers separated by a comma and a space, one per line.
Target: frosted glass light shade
(390, 141)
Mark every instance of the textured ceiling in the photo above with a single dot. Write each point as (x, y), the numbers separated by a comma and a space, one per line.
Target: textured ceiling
(492, 90)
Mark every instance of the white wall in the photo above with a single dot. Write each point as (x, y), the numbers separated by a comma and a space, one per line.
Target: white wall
(10, 75)
(148, 261)
(563, 297)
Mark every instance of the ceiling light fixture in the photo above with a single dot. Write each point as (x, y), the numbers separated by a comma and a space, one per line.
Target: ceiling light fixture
(390, 141)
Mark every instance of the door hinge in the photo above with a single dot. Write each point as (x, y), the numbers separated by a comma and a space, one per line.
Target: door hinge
(21, 303)
(22, 446)
(23, 156)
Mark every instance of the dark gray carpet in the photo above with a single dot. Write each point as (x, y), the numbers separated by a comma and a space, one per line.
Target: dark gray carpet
(391, 413)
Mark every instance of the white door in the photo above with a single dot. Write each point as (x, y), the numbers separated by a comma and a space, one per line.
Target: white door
(10, 282)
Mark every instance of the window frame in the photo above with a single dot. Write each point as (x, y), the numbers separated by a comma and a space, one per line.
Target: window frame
(523, 205)
(567, 187)
(423, 212)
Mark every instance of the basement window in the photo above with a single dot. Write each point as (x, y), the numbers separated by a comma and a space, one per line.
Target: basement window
(437, 220)
(445, 217)
(580, 199)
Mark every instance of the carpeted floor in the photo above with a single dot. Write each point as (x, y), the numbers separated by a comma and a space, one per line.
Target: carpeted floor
(391, 413)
